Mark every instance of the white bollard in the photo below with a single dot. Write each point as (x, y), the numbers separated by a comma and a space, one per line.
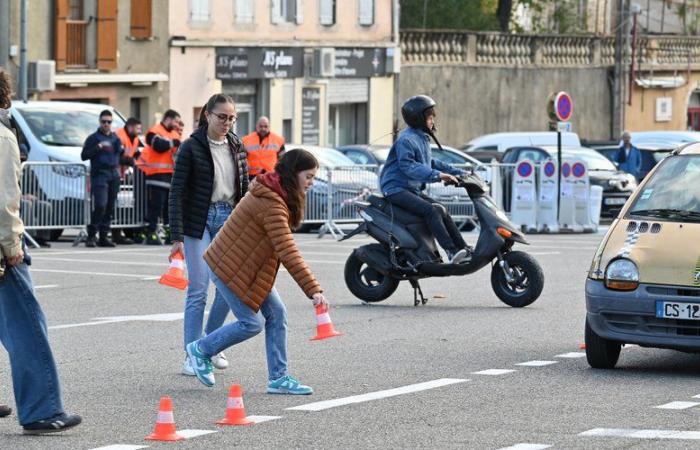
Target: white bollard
(582, 197)
(547, 199)
(567, 202)
(523, 211)
(596, 198)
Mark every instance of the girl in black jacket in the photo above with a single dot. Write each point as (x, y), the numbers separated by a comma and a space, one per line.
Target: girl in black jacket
(211, 176)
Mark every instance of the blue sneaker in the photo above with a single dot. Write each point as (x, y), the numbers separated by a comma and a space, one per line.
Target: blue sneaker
(201, 365)
(288, 385)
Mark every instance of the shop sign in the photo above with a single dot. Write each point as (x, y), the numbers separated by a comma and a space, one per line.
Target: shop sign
(360, 62)
(236, 63)
(310, 115)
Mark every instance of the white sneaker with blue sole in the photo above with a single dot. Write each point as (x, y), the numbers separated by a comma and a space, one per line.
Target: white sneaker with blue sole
(201, 365)
(288, 385)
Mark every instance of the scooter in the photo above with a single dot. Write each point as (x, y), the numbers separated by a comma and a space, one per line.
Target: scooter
(406, 250)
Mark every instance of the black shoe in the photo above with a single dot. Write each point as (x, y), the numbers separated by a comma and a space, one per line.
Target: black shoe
(105, 242)
(61, 422)
(43, 244)
(120, 239)
(91, 242)
(153, 239)
(5, 410)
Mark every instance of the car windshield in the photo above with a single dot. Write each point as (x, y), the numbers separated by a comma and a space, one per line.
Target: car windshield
(329, 157)
(65, 128)
(672, 192)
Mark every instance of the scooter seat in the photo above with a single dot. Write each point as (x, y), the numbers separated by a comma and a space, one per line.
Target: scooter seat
(399, 214)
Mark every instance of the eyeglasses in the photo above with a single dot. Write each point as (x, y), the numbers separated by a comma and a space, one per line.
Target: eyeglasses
(105, 121)
(225, 117)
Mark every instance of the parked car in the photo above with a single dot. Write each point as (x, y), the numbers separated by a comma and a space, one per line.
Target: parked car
(492, 146)
(55, 132)
(643, 286)
(617, 185)
(681, 137)
(652, 152)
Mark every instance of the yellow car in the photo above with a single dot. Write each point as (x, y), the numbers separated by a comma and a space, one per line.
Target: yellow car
(644, 283)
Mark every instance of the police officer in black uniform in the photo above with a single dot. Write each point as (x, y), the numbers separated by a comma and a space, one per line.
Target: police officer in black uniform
(105, 152)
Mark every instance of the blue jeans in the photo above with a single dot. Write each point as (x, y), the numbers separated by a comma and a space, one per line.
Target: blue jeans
(272, 315)
(24, 336)
(198, 275)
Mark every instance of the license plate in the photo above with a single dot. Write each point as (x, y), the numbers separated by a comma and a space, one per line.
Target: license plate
(615, 201)
(677, 310)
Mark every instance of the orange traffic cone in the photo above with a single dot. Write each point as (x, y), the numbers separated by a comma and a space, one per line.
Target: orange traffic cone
(175, 276)
(324, 326)
(165, 424)
(582, 346)
(235, 411)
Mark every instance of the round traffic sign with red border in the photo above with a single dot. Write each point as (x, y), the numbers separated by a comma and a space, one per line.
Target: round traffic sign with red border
(563, 106)
(549, 168)
(565, 170)
(578, 170)
(524, 169)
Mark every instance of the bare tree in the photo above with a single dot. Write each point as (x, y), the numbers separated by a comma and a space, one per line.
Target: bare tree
(503, 12)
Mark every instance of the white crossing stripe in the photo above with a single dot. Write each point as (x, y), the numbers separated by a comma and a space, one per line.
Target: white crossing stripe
(526, 447)
(46, 286)
(537, 363)
(643, 434)
(107, 274)
(189, 434)
(696, 396)
(261, 419)
(493, 372)
(320, 406)
(677, 405)
(121, 447)
(571, 355)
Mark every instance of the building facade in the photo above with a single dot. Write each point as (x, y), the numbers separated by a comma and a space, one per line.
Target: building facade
(321, 70)
(105, 51)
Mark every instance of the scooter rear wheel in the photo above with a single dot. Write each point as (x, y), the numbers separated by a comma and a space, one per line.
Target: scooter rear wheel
(366, 283)
(527, 284)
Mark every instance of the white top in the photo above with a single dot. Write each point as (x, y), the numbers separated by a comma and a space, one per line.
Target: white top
(224, 172)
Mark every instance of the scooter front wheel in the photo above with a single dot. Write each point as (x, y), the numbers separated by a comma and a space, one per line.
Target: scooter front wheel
(525, 283)
(367, 283)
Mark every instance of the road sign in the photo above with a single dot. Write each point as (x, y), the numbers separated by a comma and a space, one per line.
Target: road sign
(564, 127)
(560, 107)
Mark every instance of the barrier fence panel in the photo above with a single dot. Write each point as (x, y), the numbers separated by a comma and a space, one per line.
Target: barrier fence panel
(130, 207)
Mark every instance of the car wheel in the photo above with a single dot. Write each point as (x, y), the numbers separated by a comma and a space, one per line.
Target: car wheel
(601, 353)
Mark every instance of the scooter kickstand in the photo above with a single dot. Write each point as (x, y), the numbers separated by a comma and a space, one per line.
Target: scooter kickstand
(416, 293)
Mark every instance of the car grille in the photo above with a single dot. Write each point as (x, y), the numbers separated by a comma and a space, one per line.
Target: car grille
(650, 325)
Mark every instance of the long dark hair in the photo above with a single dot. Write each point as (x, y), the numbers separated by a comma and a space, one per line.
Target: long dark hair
(210, 105)
(288, 167)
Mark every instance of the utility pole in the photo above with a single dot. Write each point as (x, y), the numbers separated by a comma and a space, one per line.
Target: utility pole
(23, 52)
(620, 71)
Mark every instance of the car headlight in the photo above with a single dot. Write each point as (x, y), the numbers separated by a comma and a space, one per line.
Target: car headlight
(622, 275)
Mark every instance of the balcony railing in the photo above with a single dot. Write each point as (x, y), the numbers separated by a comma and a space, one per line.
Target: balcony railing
(76, 43)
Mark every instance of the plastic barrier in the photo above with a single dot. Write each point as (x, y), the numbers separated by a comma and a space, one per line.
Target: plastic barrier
(547, 221)
(524, 197)
(582, 197)
(596, 198)
(567, 202)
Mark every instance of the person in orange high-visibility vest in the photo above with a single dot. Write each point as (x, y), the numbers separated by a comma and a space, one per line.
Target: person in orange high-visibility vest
(158, 163)
(263, 147)
(131, 141)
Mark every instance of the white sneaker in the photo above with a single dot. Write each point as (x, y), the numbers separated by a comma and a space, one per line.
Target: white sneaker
(187, 367)
(219, 361)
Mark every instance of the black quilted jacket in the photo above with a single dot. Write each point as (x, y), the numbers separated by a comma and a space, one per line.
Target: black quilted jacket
(193, 183)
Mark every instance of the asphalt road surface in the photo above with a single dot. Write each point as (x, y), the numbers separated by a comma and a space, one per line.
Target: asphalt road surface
(463, 371)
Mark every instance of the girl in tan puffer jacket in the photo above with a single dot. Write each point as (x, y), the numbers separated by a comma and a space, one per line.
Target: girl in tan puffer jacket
(244, 259)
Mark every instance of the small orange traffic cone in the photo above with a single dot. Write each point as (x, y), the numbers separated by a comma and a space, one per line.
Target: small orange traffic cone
(582, 346)
(235, 411)
(165, 424)
(324, 326)
(175, 276)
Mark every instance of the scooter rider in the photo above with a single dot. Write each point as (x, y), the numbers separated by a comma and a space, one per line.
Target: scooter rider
(410, 166)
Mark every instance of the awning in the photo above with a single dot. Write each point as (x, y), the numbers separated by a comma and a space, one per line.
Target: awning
(660, 82)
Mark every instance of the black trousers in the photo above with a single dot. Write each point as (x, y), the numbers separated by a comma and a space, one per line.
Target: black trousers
(158, 190)
(435, 215)
(104, 190)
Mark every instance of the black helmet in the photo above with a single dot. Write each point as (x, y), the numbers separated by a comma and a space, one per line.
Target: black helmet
(414, 108)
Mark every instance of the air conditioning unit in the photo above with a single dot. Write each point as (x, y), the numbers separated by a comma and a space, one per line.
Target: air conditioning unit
(323, 65)
(41, 76)
(393, 60)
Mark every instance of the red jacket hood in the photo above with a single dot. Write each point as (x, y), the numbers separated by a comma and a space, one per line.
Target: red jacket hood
(272, 180)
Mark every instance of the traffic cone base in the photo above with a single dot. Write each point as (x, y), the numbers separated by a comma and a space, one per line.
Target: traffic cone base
(175, 276)
(235, 411)
(165, 424)
(324, 326)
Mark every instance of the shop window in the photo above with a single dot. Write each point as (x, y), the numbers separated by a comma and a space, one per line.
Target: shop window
(200, 11)
(244, 11)
(287, 130)
(141, 19)
(347, 124)
(286, 11)
(327, 12)
(366, 12)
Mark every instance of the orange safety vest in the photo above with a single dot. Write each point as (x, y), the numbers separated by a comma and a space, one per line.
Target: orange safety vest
(130, 146)
(153, 162)
(262, 156)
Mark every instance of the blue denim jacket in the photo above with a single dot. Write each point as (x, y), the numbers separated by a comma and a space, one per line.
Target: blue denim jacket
(632, 163)
(410, 164)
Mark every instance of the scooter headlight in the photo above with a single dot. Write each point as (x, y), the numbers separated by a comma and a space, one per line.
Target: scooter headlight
(622, 275)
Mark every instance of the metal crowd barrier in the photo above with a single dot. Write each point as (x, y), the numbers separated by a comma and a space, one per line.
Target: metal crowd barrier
(130, 207)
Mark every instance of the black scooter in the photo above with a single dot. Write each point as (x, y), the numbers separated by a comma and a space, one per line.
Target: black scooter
(407, 251)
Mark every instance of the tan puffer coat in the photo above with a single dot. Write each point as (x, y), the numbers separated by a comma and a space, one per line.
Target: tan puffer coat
(248, 249)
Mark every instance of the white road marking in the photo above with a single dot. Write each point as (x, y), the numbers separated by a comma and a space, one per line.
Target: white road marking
(642, 434)
(537, 363)
(189, 434)
(93, 252)
(493, 372)
(121, 447)
(46, 286)
(261, 419)
(677, 405)
(571, 355)
(543, 253)
(102, 261)
(106, 274)
(320, 406)
(167, 317)
(526, 447)
(696, 396)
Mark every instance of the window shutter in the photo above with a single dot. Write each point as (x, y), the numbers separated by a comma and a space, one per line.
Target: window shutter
(200, 11)
(276, 11)
(300, 11)
(366, 12)
(326, 12)
(107, 34)
(244, 11)
(141, 19)
(61, 34)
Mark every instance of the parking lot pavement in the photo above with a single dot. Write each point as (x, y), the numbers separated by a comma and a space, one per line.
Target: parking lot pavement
(463, 371)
